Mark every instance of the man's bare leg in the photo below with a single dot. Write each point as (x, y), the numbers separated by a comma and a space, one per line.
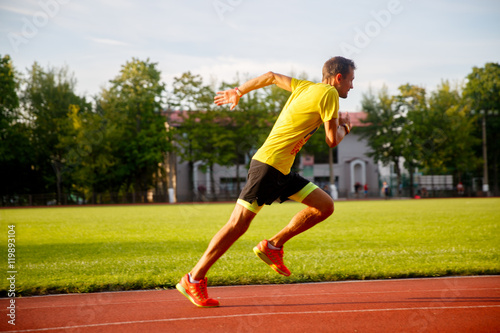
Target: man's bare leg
(236, 226)
(320, 207)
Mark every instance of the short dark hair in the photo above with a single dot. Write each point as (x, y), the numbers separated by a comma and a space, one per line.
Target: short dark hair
(336, 65)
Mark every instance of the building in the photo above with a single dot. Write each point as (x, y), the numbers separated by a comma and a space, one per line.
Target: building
(352, 170)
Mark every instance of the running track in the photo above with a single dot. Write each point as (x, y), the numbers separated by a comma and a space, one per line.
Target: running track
(455, 304)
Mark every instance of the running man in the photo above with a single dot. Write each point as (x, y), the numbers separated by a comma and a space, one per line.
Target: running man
(269, 177)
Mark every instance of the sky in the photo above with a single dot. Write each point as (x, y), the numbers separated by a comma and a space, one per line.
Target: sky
(392, 42)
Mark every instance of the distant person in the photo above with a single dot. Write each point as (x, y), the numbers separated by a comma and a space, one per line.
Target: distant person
(460, 188)
(269, 176)
(326, 188)
(365, 189)
(201, 191)
(385, 190)
(357, 188)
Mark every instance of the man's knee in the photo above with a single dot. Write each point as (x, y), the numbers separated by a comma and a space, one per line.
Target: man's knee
(321, 201)
(327, 207)
(241, 218)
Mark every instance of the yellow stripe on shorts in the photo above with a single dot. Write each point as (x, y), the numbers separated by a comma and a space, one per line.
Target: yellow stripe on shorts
(302, 194)
(253, 207)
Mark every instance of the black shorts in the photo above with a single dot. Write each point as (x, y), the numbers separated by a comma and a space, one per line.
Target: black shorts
(267, 184)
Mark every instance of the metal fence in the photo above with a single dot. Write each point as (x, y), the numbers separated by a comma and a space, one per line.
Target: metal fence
(201, 194)
(51, 199)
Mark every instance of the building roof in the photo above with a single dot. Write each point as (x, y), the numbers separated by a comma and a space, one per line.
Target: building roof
(175, 117)
(356, 118)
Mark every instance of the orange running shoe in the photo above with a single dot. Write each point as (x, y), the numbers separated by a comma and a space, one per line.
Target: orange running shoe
(196, 292)
(273, 258)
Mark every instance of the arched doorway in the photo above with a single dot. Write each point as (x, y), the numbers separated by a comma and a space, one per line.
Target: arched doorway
(358, 173)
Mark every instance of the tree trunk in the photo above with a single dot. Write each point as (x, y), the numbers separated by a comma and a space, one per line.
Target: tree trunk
(412, 190)
(191, 181)
(398, 175)
(56, 165)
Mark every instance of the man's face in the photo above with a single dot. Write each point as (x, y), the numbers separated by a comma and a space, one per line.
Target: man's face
(344, 83)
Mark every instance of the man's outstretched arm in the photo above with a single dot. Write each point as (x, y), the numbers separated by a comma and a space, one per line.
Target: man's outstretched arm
(230, 96)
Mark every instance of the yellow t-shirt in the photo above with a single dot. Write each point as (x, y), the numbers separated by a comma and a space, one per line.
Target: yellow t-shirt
(310, 105)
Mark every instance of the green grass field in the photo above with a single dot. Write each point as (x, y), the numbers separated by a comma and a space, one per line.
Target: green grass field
(88, 249)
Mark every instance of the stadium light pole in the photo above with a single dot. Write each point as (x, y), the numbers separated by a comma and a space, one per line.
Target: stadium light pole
(482, 113)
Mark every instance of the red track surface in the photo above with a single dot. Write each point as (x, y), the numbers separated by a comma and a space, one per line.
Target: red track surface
(460, 304)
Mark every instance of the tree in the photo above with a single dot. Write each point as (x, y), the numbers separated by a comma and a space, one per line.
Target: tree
(482, 92)
(412, 101)
(384, 131)
(455, 141)
(9, 100)
(47, 97)
(133, 107)
(212, 141)
(433, 134)
(90, 152)
(16, 150)
(189, 96)
(190, 93)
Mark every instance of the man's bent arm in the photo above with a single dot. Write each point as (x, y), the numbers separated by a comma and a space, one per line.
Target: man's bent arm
(335, 130)
(231, 96)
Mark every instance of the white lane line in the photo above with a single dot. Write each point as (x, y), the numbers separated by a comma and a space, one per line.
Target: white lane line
(169, 300)
(252, 315)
